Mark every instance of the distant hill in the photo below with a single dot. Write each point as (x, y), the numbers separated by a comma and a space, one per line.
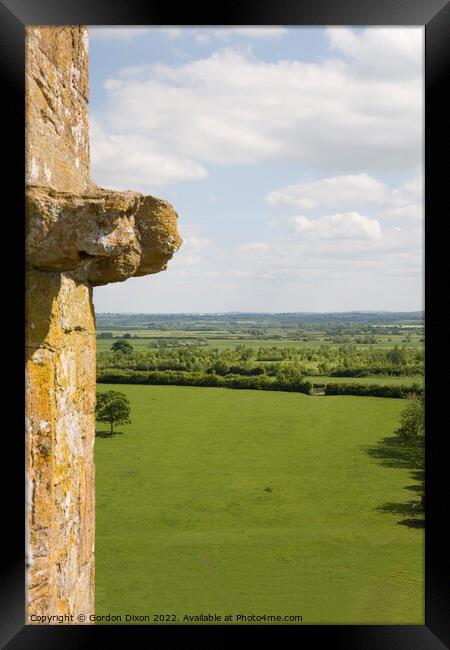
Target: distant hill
(290, 319)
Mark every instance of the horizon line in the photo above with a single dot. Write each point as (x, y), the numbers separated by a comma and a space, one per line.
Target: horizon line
(275, 313)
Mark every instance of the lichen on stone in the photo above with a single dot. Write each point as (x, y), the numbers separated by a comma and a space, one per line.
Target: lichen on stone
(100, 236)
(77, 236)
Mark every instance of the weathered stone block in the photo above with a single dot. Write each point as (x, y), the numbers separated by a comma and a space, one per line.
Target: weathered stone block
(78, 236)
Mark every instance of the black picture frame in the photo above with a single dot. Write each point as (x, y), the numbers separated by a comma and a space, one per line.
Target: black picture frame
(434, 15)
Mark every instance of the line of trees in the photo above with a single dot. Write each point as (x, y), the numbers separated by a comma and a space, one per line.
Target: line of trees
(170, 377)
(282, 382)
(343, 361)
(373, 390)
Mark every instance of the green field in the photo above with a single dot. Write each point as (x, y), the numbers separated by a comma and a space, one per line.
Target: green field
(231, 343)
(229, 501)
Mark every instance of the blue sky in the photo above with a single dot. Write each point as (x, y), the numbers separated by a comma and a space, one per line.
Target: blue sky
(293, 157)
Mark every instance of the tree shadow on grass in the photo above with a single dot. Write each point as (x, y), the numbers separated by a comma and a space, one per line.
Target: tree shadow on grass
(405, 454)
(107, 434)
(411, 510)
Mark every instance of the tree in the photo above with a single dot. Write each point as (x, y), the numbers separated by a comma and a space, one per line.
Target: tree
(288, 373)
(113, 407)
(412, 418)
(412, 432)
(122, 346)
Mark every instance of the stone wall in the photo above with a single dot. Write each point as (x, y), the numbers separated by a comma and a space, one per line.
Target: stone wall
(78, 236)
(60, 404)
(56, 114)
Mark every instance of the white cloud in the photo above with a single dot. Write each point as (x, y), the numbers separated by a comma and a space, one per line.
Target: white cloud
(201, 35)
(254, 246)
(195, 243)
(317, 248)
(203, 39)
(290, 273)
(355, 191)
(410, 192)
(172, 33)
(257, 32)
(355, 240)
(350, 225)
(412, 213)
(383, 51)
(192, 255)
(231, 108)
(134, 161)
(348, 191)
(207, 36)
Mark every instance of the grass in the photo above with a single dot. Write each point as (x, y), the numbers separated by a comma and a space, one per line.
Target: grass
(230, 502)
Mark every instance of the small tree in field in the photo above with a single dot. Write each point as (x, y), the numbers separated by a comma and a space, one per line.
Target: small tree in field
(112, 407)
(122, 346)
(412, 418)
(412, 432)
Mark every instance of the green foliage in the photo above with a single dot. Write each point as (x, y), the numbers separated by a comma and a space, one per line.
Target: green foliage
(335, 323)
(174, 378)
(112, 407)
(373, 390)
(122, 346)
(104, 335)
(287, 373)
(412, 418)
(339, 361)
(183, 352)
(411, 433)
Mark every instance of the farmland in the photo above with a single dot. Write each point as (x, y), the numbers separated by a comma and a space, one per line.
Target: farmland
(322, 349)
(262, 330)
(282, 501)
(227, 501)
